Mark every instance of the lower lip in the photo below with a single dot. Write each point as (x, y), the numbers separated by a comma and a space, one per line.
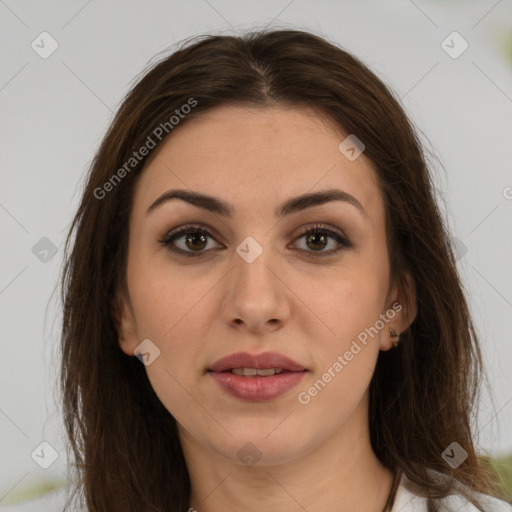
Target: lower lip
(257, 388)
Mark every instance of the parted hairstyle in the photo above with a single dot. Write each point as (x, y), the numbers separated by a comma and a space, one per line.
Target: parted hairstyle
(124, 443)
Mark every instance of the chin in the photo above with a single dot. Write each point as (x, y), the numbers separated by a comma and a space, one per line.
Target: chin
(256, 447)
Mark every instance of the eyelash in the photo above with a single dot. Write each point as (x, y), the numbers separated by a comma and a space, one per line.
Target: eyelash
(168, 240)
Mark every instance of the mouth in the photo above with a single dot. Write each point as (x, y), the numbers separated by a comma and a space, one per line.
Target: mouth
(251, 364)
(255, 372)
(259, 377)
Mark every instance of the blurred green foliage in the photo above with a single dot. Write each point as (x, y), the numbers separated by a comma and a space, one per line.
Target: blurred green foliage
(32, 490)
(506, 44)
(503, 467)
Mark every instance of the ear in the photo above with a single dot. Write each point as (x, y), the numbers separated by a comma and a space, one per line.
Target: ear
(124, 320)
(401, 301)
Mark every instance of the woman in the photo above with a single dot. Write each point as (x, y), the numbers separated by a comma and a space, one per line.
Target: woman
(262, 309)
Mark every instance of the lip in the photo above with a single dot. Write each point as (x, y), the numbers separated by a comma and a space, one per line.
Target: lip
(258, 361)
(257, 388)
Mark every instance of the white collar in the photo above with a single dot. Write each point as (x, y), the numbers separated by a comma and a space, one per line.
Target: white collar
(409, 499)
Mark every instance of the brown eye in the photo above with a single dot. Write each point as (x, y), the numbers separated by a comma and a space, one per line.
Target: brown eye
(316, 241)
(317, 238)
(188, 241)
(196, 241)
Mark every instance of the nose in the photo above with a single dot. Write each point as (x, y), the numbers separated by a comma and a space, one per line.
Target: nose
(256, 298)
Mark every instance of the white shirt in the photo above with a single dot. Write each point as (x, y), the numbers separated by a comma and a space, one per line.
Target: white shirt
(406, 500)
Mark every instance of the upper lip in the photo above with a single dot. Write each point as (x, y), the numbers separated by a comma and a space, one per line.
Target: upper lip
(261, 361)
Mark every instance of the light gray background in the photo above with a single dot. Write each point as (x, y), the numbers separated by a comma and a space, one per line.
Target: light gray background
(54, 112)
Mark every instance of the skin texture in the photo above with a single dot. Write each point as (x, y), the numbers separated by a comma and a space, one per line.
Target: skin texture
(315, 456)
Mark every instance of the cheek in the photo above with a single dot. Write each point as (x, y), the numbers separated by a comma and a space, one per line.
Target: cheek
(347, 352)
(349, 303)
(164, 298)
(173, 309)
(338, 391)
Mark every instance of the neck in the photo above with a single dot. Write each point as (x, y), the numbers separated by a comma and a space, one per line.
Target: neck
(341, 474)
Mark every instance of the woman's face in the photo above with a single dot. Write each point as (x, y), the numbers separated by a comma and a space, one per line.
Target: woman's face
(253, 282)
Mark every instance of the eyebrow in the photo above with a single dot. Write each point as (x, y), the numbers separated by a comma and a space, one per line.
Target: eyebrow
(292, 205)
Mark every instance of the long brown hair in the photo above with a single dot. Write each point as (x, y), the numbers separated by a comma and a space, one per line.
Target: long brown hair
(124, 442)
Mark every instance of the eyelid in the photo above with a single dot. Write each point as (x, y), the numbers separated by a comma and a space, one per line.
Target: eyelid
(338, 235)
(331, 232)
(177, 233)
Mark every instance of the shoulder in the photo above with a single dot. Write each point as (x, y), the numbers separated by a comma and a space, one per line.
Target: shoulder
(410, 499)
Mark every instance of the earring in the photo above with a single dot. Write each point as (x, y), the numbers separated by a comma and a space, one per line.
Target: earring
(394, 334)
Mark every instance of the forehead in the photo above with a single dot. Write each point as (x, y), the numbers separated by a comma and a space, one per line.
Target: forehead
(243, 154)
